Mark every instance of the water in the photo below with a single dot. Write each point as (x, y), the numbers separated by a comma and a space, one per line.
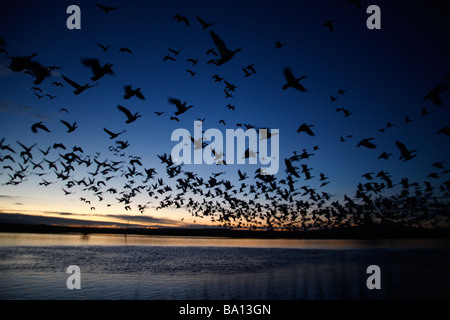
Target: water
(33, 266)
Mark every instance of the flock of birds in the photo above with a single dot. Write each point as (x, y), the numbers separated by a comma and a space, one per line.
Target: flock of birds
(283, 201)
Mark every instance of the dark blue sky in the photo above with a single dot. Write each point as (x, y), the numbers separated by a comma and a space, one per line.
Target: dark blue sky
(386, 74)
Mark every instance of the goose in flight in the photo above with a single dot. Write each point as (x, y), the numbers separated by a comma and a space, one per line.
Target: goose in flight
(180, 18)
(225, 53)
(78, 88)
(70, 127)
(112, 135)
(192, 73)
(130, 117)
(366, 143)
(329, 24)
(293, 82)
(106, 8)
(306, 128)
(125, 49)
(444, 130)
(227, 94)
(434, 94)
(98, 71)
(129, 92)
(105, 48)
(193, 61)
(181, 107)
(242, 176)
(279, 45)
(39, 125)
(204, 23)
(405, 153)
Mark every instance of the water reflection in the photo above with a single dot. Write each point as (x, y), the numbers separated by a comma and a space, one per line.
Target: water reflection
(30, 239)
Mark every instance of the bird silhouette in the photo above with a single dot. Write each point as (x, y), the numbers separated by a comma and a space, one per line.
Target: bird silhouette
(111, 134)
(181, 107)
(192, 73)
(405, 153)
(106, 9)
(434, 94)
(225, 54)
(193, 61)
(104, 48)
(39, 125)
(125, 49)
(70, 127)
(180, 18)
(445, 130)
(306, 128)
(98, 70)
(130, 117)
(203, 23)
(78, 88)
(293, 82)
(329, 24)
(279, 45)
(356, 3)
(366, 143)
(129, 92)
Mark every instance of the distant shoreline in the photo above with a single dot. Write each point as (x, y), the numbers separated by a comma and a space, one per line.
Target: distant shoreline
(359, 232)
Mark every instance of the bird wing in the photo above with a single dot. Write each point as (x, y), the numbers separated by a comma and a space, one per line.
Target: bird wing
(94, 64)
(125, 110)
(219, 43)
(108, 132)
(289, 75)
(66, 124)
(176, 102)
(72, 83)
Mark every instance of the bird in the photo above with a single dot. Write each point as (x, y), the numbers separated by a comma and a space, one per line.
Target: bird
(230, 107)
(158, 113)
(306, 128)
(106, 8)
(204, 24)
(58, 84)
(346, 112)
(279, 45)
(39, 125)
(329, 24)
(104, 48)
(130, 117)
(70, 127)
(356, 3)
(242, 176)
(129, 92)
(181, 107)
(64, 110)
(293, 82)
(78, 88)
(384, 155)
(366, 143)
(405, 153)
(246, 72)
(424, 111)
(180, 18)
(124, 49)
(211, 51)
(112, 135)
(98, 70)
(217, 78)
(227, 94)
(168, 57)
(341, 91)
(225, 54)
(434, 94)
(193, 61)
(445, 130)
(192, 73)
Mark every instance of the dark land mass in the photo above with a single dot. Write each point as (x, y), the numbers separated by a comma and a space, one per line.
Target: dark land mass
(373, 231)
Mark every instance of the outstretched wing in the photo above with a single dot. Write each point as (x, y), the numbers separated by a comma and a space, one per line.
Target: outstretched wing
(289, 75)
(94, 64)
(125, 110)
(219, 43)
(72, 83)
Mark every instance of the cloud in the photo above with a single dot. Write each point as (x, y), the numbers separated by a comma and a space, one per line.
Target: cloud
(147, 219)
(11, 107)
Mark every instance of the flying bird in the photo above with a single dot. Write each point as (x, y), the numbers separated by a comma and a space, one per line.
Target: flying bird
(181, 107)
(306, 128)
(78, 88)
(366, 143)
(329, 24)
(405, 153)
(106, 8)
(104, 48)
(434, 94)
(129, 92)
(180, 18)
(203, 23)
(130, 117)
(112, 135)
(98, 70)
(444, 130)
(70, 127)
(293, 82)
(39, 125)
(225, 53)
(279, 45)
(124, 49)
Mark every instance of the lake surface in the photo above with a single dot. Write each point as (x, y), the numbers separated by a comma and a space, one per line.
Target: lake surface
(33, 266)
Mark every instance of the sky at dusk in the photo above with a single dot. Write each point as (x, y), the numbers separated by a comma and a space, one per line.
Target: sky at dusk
(385, 75)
